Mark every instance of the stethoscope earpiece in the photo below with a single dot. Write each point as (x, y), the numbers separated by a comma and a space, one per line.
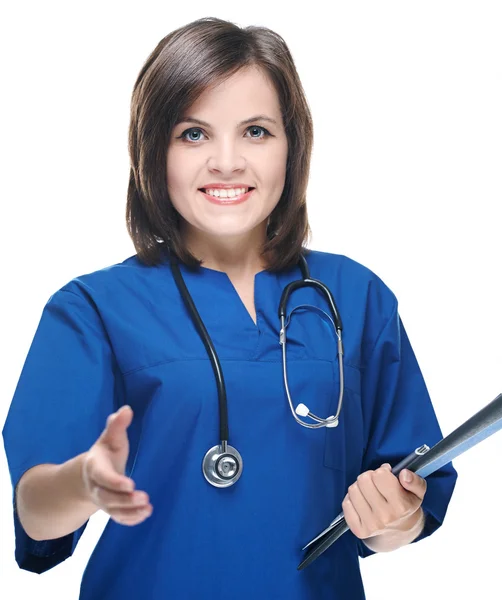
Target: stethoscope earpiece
(303, 411)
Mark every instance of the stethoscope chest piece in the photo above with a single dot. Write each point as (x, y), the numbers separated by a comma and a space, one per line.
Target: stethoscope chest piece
(221, 466)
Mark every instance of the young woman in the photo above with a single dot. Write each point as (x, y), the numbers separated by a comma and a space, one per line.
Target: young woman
(122, 402)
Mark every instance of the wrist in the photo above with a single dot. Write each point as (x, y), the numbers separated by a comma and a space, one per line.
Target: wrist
(406, 532)
(416, 521)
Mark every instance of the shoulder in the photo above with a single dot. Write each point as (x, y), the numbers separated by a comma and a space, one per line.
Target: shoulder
(327, 262)
(366, 303)
(109, 287)
(109, 276)
(358, 280)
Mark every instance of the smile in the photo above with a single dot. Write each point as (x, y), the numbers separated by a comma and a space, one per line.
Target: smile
(228, 201)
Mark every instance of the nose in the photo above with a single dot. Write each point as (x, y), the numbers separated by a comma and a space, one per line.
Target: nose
(226, 156)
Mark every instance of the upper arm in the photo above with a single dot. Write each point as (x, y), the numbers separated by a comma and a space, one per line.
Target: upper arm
(68, 386)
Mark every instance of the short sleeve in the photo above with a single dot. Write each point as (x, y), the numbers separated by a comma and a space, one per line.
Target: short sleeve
(399, 417)
(68, 386)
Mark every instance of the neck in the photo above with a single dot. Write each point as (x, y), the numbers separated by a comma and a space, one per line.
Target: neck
(235, 255)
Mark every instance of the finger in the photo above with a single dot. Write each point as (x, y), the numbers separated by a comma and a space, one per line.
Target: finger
(400, 502)
(109, 500)
(417, 485)
(374, 494)
(105, 476)
(366, 501)
(387, 484)
(115, 433)
(131, 516)
(352, 517)
(119, 420)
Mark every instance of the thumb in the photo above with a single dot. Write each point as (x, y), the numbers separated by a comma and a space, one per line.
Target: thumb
(116, 426)
(413, 483)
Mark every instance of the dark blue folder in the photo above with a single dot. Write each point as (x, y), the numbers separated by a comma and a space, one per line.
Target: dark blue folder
(423, 462)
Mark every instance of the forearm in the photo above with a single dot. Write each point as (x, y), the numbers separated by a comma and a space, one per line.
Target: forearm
(51, 500)
(393, 539)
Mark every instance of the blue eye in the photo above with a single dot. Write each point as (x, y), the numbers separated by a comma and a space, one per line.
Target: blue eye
(199, 131)
(188, 131)
(265, 132)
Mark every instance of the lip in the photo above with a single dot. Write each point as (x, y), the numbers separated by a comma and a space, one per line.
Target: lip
(228, 201)
(225, 186)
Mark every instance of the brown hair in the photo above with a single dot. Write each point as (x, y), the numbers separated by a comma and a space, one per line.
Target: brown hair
(181, 67)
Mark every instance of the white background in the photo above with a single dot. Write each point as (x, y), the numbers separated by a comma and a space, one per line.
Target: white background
(406, 178)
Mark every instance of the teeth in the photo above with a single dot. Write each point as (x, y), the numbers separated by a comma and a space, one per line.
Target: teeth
(227, 193)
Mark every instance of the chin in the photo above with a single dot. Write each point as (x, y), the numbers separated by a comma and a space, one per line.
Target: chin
(230, 230)
(229, 233)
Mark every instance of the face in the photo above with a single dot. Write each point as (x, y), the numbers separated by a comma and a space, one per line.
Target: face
(224, 150)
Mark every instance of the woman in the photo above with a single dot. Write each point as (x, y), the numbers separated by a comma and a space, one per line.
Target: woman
(118, 391)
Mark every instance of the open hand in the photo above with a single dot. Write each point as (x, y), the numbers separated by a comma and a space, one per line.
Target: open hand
(103, 473)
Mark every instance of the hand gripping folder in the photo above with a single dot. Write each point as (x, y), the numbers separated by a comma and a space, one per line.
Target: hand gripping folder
(423, 461)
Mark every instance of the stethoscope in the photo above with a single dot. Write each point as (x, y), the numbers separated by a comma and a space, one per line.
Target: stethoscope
(222, 464)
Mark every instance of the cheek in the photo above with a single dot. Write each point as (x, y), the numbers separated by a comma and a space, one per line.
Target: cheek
(178, 181)
(274, 169)
(173, 171)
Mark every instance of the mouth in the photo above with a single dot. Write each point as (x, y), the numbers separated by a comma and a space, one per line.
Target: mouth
(230, 200)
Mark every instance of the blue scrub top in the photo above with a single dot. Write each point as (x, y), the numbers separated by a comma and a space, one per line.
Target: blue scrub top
(122, 335)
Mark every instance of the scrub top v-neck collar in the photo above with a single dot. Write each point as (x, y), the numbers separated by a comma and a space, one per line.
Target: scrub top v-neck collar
(223, 312)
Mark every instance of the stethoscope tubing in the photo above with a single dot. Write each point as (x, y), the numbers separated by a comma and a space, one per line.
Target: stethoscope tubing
(206, 339)
(307, 281)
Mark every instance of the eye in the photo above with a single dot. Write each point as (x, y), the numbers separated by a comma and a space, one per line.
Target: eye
(188, 131)
(199, 132)
(255, 127)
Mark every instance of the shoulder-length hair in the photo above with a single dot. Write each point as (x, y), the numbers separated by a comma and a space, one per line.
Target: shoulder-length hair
(181, 67)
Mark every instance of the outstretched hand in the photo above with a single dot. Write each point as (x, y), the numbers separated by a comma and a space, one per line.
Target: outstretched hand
(103, 473)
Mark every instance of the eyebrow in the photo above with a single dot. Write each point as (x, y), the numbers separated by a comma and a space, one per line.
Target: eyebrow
(245, 122)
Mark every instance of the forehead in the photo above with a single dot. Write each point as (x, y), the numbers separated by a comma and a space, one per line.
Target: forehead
(245, 93)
